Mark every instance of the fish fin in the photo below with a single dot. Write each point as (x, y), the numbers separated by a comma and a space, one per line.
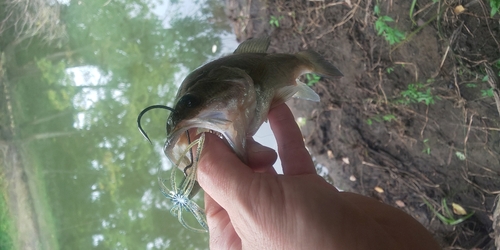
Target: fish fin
(283, 95)
(319, 64)
(255, 45)
(305, 92)
(301, 90)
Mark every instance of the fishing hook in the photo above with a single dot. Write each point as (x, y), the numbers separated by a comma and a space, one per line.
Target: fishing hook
(146, 110)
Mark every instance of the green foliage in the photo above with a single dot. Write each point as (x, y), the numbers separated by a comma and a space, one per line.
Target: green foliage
(487, 92)
(485, 78)
(55, 76)
(378, 118)
(391, 35)
(427, 148)
(495, 7)
(416, 93)
(312, 79)
(389, 117)
(390, 70)
(460, 155)
(52, 73)
(447, 217)
(275, 21)
(471, 85)
(412, 9)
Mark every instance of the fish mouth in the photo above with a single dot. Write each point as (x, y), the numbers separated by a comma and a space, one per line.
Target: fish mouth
(176, 145)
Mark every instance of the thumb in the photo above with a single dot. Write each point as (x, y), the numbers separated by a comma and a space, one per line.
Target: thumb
(221, 173)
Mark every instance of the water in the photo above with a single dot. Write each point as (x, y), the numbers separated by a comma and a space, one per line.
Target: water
(76, 100)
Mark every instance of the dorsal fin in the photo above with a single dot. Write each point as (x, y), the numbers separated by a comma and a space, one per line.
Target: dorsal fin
(255, 45)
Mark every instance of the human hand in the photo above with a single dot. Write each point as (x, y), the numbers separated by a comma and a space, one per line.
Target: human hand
(251, 207)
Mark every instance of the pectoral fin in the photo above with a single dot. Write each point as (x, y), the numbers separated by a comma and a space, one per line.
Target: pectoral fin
(301, 90)
(304, 92)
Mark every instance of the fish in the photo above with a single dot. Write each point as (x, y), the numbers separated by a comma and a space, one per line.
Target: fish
(231, 96)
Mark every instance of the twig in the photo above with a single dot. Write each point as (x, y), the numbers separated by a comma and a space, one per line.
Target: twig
(414, 67)
(478, 187)
(380, 84)
(425, 124)
(467, 135)
(488, 25)
(494, 84)
(413, 33)
(346, 18)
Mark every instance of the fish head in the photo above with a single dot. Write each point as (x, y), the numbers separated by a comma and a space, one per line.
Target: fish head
(220, 100)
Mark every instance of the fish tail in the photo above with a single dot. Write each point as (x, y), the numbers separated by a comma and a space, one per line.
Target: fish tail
(318, 64)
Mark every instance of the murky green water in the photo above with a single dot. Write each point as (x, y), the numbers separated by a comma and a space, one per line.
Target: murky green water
(78, 84)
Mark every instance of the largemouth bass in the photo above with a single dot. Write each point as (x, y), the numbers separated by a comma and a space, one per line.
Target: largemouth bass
(232, 96)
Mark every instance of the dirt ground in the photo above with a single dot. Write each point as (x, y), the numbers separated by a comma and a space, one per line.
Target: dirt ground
(413, 156)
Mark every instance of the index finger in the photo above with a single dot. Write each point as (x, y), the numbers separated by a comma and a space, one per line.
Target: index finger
(291, 149)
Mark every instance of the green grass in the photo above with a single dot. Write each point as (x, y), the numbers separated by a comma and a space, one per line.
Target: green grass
(447, 216)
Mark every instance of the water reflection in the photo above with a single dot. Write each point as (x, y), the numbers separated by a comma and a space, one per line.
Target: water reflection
(77, 98)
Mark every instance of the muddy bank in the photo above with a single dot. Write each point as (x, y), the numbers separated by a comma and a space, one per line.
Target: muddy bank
(372, 137)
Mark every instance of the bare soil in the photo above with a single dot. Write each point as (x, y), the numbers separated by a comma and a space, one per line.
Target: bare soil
(416, 157)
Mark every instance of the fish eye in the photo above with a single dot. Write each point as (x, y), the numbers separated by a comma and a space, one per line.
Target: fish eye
(188, 101)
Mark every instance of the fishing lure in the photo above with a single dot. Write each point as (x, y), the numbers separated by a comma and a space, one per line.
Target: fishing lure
(181, 194)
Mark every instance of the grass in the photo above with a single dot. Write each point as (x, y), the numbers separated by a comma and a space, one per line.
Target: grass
(447, 217)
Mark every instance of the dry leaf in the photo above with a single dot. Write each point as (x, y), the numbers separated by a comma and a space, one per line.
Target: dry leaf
(352, 178)
(330, 154)
(400, 203)
(458, 210)
(345, 160)
(459, 9)
(379, 189)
